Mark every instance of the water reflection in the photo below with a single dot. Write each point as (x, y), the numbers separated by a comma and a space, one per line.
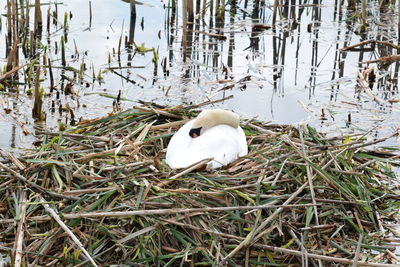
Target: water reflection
(288, 71)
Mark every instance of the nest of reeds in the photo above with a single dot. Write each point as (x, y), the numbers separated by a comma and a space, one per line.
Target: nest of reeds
(100, 193)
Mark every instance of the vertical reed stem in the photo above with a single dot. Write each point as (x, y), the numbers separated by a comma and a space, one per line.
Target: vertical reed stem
(90, 14)
(217, 8)
(276, 3)
(204, 9)
(132, 25)
(184, 29)
(190, 11)
(198, 7)
(48, 21)
(27, 16)
(38, 20)
(37, 104)
(9, 27)
(363, 13)
(51, 75)
(63, 60)
(398, 14)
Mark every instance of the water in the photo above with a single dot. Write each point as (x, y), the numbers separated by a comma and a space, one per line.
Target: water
(293, 73)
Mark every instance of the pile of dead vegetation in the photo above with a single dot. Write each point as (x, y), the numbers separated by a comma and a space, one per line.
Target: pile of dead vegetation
(100, 193)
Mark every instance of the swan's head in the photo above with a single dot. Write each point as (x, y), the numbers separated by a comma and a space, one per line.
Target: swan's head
(210, 118)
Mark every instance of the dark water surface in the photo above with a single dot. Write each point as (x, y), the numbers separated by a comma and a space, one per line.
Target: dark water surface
(293, 73)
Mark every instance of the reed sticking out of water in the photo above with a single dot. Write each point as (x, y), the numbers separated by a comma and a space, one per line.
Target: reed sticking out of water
(120, 42)
(37, 104)
(51, 75)
(65, 26)
(276, 3)
(81, 71)
(12, 39)
(223, 10)
(12, 59)
(90, 14)
(48, 21)
(363, 14)
(184, 29)
(9, 27)
(351, 4)
(55, 14)
(132, 25)
(63, 60)
(198, 8)
(220, 12)
(190, 11)
(25, 28)
(27, 16)
(38, 23)
(204, 9)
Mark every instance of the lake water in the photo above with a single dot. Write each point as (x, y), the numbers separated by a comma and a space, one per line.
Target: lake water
(292, 73)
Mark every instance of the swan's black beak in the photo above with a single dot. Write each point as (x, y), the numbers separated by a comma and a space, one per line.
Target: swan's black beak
(195, 132)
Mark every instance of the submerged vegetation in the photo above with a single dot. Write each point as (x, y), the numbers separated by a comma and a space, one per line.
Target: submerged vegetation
(101, 192)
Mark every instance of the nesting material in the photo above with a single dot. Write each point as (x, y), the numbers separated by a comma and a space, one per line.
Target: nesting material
(101, 194)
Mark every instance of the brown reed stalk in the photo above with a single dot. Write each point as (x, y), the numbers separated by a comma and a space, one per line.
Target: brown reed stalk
(276, 3)
(37, 112)
(38, 23)
(363, 14)
(190, 10)
(26, 30)
(184, 29)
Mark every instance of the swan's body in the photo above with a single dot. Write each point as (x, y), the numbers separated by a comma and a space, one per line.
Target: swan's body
(213, 134)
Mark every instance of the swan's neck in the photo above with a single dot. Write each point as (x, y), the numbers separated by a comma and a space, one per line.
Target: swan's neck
(210, 118)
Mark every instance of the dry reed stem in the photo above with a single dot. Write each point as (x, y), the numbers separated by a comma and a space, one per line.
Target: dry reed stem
(189, 169)
(275, 11)
(8, 74)
(20, 233)
(347, 48)
(184, 30)
(321, 257)
(13, 159)
(85, 137)
(169, 125)
(383, 59)
(87, 191)
(363, 13)
(110, 152)
(159, 112)
(357, 253)
(25, 129)
(116, 214)
(310, 178)
(57, 218)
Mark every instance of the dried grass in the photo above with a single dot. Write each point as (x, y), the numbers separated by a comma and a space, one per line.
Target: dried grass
(297, 198)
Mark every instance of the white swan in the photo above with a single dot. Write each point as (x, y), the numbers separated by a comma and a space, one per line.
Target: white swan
(213, 134)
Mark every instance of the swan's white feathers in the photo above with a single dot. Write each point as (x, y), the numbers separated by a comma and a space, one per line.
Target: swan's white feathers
(222, 142)
(212, 117)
